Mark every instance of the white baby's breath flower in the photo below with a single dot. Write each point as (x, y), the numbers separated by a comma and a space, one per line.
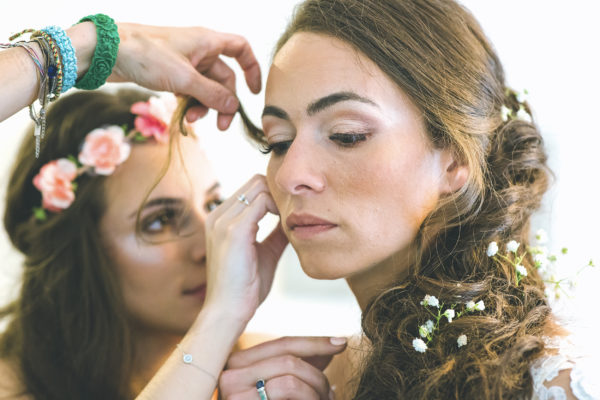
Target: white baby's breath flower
(505, 113)
(479, 306)
(462, 340)
(512, 246)
(541, 236)
(429, 325)
(523, 115)
(430, 301)
(522, 96)
(521, 270)
(423, 331)
(449, 313)
(541, 261)
(492, 249)
(419, 345)
(470, 305)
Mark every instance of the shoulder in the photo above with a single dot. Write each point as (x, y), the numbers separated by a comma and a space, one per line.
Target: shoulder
(11, 387)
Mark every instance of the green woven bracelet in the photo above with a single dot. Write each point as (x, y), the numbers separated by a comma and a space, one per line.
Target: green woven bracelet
(105, 54)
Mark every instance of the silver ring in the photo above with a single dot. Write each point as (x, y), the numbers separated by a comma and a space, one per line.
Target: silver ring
(260, 388)
(243, 199)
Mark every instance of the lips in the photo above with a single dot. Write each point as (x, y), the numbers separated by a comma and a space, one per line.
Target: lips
(199, 291)
(305, 226)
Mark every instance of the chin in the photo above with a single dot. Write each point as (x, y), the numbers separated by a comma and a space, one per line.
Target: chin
(323, 270)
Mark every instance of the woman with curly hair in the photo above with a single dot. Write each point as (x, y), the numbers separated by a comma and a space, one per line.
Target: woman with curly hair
(398, 155)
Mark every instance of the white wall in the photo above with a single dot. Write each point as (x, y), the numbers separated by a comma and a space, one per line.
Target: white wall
(549, 48)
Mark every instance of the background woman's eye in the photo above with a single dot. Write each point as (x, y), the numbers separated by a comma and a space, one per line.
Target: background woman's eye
(212, 204)
(348, 139)
(159, 221)
(278, 148)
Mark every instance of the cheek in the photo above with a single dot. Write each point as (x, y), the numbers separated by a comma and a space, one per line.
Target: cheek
(142, 267)
(391, 197)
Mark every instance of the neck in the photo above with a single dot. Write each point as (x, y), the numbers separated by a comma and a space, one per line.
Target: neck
(368, 284)
(151, 349)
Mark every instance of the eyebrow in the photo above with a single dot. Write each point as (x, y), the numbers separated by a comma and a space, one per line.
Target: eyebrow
(169, 201)
(319, 105)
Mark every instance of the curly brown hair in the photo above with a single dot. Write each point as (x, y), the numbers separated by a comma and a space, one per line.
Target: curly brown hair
(437, 53)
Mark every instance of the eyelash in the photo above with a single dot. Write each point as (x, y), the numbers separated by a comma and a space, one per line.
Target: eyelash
(343, 140)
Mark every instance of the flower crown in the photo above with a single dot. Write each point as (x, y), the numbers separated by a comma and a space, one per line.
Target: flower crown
(102, 151)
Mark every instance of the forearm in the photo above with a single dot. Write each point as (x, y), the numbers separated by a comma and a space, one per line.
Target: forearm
(209, 341)
(19, 78)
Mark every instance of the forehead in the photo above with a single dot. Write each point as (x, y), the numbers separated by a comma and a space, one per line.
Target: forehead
(189, 174)
(310, 66)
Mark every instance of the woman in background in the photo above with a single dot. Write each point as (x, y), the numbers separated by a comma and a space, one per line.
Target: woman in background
(130, 289)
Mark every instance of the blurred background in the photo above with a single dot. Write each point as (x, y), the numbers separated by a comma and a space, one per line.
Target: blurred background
(549, 48)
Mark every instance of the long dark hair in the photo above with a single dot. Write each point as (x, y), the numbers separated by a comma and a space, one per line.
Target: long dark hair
(437, 53)
(68, 333)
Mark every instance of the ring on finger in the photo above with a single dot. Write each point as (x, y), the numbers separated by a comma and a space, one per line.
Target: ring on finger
(243, 199)
(260, 388)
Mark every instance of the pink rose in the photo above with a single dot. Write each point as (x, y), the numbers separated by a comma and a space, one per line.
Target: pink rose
(104, 149)
(55, 181)
(154, 116)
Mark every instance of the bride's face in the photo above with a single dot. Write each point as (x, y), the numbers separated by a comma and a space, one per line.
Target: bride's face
(352, 170)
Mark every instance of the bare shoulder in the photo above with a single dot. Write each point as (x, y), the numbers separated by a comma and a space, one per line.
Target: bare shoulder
(11, 387)
(344, 367)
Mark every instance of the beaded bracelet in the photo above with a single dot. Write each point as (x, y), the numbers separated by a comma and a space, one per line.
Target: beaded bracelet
(55, 65)
(105, 54)
(67, 55)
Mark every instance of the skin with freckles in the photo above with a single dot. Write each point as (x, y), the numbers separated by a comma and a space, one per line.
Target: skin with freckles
(350, 148)
(162, 273)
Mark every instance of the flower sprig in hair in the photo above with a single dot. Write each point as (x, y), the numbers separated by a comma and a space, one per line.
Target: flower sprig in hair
(103, 149)
(428, 329)
(544, 261)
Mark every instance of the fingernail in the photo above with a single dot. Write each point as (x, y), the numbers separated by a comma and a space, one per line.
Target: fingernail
(338, 341)
(332, 393)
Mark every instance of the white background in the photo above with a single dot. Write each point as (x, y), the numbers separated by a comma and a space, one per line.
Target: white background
(548, 47)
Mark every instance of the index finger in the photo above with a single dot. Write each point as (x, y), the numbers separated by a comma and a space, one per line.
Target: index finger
(237, 47)
(303, 347)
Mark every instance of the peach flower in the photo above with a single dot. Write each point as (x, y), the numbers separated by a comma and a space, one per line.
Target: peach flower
(55, 181)
(104, 149)
(154, 116)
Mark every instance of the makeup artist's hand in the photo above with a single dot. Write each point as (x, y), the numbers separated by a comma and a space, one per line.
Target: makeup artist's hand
(240, 270)
(187, 61)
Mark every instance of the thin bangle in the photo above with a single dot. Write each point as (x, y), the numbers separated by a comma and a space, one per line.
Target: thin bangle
(189, 360)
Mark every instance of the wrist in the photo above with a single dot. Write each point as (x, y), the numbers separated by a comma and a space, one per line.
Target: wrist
(219, 319)
(83, 38)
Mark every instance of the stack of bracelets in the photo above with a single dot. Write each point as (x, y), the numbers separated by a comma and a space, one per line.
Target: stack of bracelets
(57, 66)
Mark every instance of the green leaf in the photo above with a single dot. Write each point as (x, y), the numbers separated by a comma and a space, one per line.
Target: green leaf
(40, 214)
(564, 250)
(552, 258)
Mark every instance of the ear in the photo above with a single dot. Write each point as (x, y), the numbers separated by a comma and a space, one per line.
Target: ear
(454, 173)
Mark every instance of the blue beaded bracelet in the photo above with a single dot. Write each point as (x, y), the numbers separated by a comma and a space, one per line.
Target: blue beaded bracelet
(67, 54)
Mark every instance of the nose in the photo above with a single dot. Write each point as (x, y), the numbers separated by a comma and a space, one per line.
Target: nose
(301, 170)
(197, 240)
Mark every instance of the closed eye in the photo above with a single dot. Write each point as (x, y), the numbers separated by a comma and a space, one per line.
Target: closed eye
(348, 139)
(278, 148)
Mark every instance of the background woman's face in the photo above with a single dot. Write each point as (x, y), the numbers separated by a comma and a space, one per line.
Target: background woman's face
(163, 272)
(352, 170)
